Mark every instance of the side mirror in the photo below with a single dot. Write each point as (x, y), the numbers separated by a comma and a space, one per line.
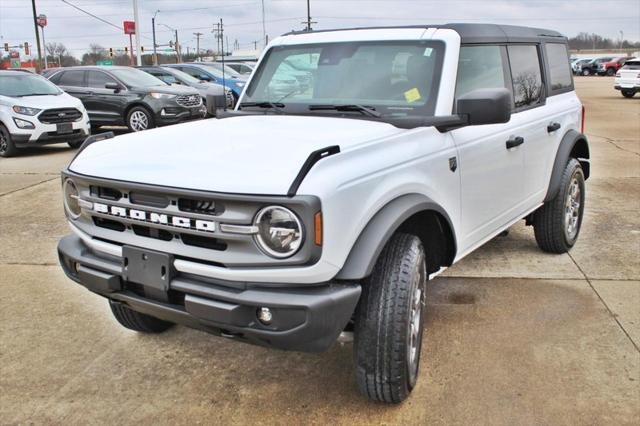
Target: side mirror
(215, 102)
(485, 106)
(113, 86)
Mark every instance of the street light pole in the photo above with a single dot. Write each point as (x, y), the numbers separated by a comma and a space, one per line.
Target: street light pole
(35, 26)
(198, 45)
(153, 28)
(137, 21)
(44, 43)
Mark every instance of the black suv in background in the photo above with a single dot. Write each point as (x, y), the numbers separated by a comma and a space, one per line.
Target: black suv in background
(123, 95)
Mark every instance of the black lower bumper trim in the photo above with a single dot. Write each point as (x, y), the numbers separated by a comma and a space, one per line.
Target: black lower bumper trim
(305, 319)
(47, 138)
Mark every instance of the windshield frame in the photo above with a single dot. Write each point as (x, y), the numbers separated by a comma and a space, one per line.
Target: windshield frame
(56, 90)
(388, 113)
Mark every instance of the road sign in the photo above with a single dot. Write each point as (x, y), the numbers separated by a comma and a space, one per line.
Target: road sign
(104, 62)
(15, 63)
(42, 20)
(129, 27)
(169, 50)
(14, 54)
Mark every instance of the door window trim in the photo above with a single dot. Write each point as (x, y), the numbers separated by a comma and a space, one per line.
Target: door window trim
(547, 69)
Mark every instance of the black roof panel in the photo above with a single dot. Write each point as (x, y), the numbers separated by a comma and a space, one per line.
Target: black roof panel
(478, 33)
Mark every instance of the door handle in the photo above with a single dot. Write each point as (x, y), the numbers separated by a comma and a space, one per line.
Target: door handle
(515, 141)
(553, 127)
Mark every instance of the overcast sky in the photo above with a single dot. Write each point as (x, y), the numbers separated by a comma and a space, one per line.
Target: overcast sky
(243, 18)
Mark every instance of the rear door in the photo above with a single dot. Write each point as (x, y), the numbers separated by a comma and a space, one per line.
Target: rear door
(73, 82)
(492, 176)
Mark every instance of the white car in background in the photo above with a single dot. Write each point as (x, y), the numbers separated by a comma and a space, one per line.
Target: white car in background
(628, 78)
(34, 111)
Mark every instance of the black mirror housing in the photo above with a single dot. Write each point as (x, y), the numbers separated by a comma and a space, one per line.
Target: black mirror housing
(113, 86)
(485, 106)
(215, 103)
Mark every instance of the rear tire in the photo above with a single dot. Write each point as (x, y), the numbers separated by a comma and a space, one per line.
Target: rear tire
(611, 72)
(389, 322)
(628, 93)
(557, 223)
(7, 147)
(136, 321)
(586, 72)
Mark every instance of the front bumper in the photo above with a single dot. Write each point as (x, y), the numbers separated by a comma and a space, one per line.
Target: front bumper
(179, 114)
(26, 140)
(304, 319)
(635, 87)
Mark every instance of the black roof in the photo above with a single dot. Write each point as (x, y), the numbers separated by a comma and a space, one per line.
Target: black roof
(477, 33)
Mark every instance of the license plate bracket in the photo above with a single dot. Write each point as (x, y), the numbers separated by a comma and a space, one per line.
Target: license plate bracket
(147, 267)
(64, 128)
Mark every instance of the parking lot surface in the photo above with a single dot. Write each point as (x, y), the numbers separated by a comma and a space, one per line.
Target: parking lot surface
(513, 335)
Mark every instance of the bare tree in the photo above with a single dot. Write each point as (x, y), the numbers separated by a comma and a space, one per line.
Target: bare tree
(96, 53)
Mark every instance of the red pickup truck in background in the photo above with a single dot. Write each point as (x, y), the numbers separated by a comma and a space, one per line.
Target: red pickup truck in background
(610, 68)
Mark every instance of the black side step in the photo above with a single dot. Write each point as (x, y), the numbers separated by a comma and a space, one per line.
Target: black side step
(313, 158)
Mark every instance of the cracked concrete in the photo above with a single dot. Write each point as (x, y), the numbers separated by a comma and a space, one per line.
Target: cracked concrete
(513, 335)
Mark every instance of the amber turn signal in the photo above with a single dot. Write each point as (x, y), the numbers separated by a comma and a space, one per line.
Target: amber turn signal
(318, 228)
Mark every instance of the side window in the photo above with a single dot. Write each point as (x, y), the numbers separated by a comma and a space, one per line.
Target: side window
(526, 75)
(480, 67)
(98, 79)
(72, 78)
(559, 68)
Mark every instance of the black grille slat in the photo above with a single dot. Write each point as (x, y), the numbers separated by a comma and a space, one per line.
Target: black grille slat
(189, 101)
(59, 115)
(197, 206)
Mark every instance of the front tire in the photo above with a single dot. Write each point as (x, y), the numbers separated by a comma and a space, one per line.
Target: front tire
(586, 72)
(628, 93)
(139, 119)
(136, 321)
(389, 322)
(611, 72)
(75, 144)
(557, 223)
(7, 147)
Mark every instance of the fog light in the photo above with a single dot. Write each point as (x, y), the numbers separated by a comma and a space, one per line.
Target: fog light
(264, 315)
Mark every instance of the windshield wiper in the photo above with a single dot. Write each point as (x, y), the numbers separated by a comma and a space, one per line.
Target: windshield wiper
(366, 110)
(273, 105)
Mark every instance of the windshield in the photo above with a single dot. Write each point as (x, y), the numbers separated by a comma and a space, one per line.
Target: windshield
(182, 76)
(631, 65)
(136, 78)
(26, 85)
(398, 78)
(228, 71)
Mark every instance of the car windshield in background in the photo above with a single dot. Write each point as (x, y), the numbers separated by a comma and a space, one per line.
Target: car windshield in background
(26, 85)
(182, 76)
(136, 78)
(631, 65)
(228, 71)
(396, 78)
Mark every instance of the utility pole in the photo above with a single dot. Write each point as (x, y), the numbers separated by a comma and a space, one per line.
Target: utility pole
(155, 45)
(137, 21)
(198, 45)
(178, 54)
(35, 26)
(264, 31)
(309, 21)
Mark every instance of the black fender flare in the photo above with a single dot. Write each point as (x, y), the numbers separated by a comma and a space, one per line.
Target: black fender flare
(567, 145)
(381, 227)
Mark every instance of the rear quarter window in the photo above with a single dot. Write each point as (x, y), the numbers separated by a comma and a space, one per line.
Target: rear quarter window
(631, 65)
(560, 79)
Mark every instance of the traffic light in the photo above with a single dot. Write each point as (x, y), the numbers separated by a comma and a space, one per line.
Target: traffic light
(170, 44)
(6, 47)
(111, 52)
(141, 49)
(126, 50)
(26, 48)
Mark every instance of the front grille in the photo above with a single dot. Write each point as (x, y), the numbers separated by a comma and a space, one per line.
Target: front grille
(59, 115)
(197, 206)
(189, 101)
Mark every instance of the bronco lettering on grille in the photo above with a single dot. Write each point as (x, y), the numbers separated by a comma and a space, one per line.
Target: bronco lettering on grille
(157, 218)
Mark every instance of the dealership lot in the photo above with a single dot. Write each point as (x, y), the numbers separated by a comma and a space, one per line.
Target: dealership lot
(513, 335)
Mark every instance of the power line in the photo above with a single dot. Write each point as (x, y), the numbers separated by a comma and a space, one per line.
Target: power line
(92, 15)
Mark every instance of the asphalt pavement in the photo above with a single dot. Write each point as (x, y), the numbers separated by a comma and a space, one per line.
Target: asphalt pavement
(513, 335)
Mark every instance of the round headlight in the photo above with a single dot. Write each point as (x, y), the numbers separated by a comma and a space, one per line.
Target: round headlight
(279, 231)
(71, 197)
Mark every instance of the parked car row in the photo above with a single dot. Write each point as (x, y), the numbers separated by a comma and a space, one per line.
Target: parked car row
(604, 65)
(65, 104)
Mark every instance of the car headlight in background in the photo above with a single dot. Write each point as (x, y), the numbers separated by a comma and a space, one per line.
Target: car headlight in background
(71, 199)
(161, 95)
(25, 110)
(23, 124)
(280, 232)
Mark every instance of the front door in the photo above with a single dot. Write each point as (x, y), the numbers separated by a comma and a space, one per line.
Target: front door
(105, 106)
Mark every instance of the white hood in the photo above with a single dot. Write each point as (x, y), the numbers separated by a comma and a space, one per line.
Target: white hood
(46, 101)
(260, 154)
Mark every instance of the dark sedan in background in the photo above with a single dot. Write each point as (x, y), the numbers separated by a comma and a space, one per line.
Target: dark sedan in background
(117, 95)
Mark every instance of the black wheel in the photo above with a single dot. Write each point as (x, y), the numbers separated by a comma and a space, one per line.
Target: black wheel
(136, 321)
(389, 322)
(139, 119)
(557, 223)
(586, 71)
(628, 93)
(7, 148)
(611, 72)
(76, 144)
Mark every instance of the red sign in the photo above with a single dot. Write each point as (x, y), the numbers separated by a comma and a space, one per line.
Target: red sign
(129, 27)
(14, 54)
(42, 20)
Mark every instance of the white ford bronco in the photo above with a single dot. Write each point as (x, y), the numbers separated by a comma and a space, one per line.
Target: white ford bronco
(320, 207)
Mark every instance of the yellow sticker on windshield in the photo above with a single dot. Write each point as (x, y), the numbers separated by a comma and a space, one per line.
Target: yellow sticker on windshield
(412, 95)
